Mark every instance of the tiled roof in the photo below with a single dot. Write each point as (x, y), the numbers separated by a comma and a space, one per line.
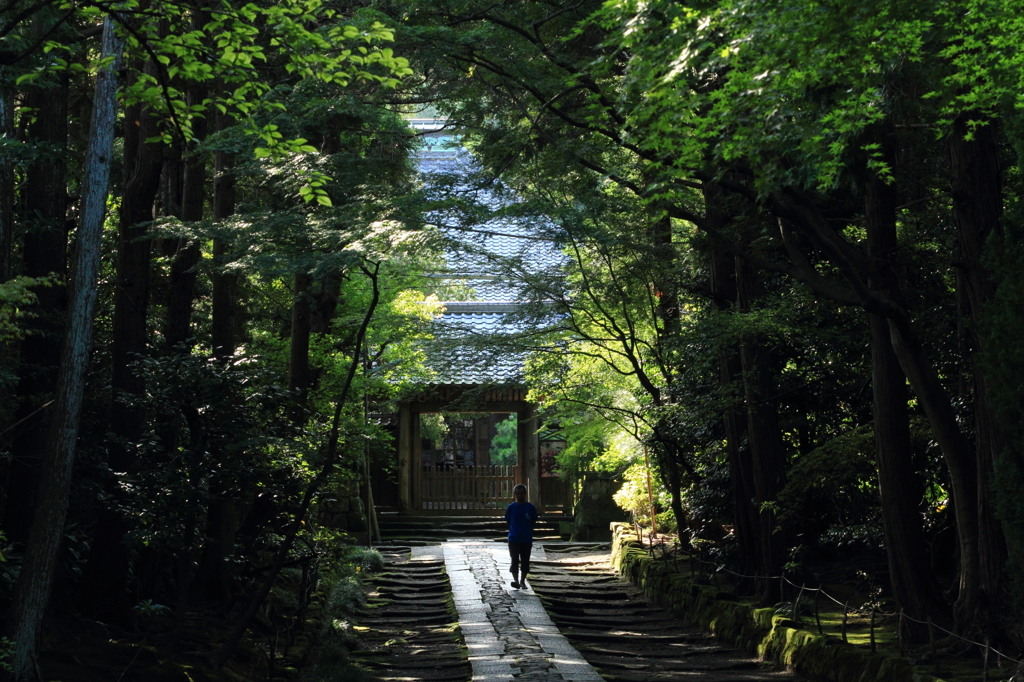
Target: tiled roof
(462, 354)
(484, 260)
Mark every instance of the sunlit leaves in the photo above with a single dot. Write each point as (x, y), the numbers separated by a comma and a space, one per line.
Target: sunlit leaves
(16, 301)
(232, 49)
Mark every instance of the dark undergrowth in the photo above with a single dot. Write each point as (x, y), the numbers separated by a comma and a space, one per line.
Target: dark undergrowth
(839, 595)
(305, 639)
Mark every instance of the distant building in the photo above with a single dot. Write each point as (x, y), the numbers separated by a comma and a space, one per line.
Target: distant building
(480, 385)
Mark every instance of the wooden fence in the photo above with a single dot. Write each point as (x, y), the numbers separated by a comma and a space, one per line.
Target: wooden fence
(469, 487)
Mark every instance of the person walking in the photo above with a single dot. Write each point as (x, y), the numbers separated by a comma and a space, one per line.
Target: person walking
(520, 515)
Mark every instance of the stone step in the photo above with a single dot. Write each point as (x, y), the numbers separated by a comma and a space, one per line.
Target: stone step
(430, 527)
(626, 638)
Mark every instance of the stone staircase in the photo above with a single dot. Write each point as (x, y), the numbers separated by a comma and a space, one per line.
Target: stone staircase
(412, 529)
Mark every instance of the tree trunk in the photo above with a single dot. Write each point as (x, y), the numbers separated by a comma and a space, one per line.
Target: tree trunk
(104, 583)
(330, 461)
(6, 249)
(977, 206)
(722, 282)
(44, 252)
(298, 350)
(224, 283)
(323, 297)
(913, 583)
(741, 470)
(931, 395)
(668, 456)
(324, 303)
(213, 575)
(186, 258)
(668, 297)
(956, 451)
(46, 537)
(763, 436)
(6, 178)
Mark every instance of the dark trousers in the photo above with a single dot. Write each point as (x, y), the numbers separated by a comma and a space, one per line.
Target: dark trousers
(520, 553)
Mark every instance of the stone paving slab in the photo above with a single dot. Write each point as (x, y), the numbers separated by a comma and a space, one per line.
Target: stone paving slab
(508, 633)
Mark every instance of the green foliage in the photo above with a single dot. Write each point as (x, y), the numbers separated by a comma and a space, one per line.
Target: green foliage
(433, 426)
(213, 429)
(634, 496)
(16, 299)
(834, 488)
(504, 446)
(1003, 362)
(342, 591)
(227, 48)
(369, 560)
(6, 653)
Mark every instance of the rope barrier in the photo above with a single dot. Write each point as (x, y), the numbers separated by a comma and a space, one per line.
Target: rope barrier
(871, 612)
(962, 638)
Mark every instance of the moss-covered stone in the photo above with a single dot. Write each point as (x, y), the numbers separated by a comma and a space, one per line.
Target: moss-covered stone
(774, 638)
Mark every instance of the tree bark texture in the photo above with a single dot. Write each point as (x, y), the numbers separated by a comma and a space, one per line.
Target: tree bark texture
(932, 396)
(900, 489)
(46, 537)
(763, 435)
(44, 252)
(224, 312)
(7, 183)
(186, 258)
(213, 575)
(298, 349)
(330, 461)
(665, 256)
(325, 294)
(6, 177)
(104, 582)
(956, 451)
(722, 283)
(668, 455)
(143, 162)
(977, 206)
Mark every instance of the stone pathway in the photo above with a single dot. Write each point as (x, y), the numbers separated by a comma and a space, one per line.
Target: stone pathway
(407, 628)
(621, 634)
(507, 631)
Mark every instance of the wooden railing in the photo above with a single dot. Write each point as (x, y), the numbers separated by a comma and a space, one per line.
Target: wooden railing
(471, 487)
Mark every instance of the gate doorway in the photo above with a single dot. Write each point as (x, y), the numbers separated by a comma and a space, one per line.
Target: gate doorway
(457, 468)
(468, 461)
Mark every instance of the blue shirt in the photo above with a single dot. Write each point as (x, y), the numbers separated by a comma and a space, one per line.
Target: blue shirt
(520, 518)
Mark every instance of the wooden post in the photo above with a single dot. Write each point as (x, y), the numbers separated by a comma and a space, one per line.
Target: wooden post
(984, 674)
(405, 458)
(899, 632)
(846, 612)
(796, 605)
(650, 493)
(415, 461)
(872, 634)
(817, 612)
(931, 644)
(528, 446)
(481, 440)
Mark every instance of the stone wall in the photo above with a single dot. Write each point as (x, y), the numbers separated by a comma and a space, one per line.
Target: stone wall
(343, 513)
(773, 637)
(596, 510)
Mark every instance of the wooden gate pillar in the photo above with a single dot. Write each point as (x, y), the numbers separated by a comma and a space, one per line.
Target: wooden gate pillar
(405, 458)
(528, 445)
(416, 462)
